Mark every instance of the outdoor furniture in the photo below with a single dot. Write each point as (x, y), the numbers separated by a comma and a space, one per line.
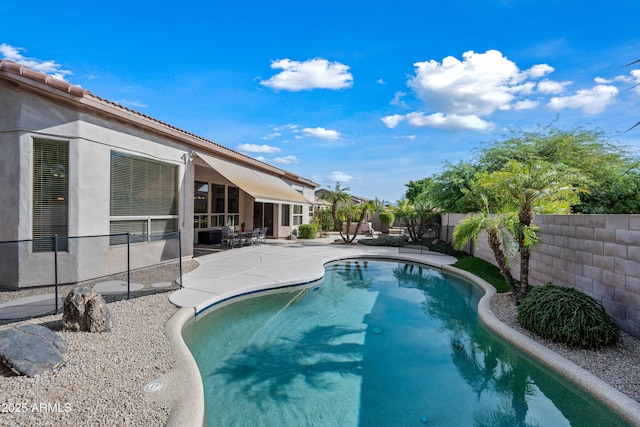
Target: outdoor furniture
(263, 235)
(229, 238)
(255, 235)
(210, 237)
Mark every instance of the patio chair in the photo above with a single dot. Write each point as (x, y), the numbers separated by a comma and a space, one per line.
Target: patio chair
(255, 235)
(230, 238)
(263, 235)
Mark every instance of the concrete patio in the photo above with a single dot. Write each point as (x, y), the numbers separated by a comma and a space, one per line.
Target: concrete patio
(278, 263)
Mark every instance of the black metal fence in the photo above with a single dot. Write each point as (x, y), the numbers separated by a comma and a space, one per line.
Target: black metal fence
(61, 260)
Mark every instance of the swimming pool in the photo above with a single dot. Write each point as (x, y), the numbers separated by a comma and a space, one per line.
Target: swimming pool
(376, 343)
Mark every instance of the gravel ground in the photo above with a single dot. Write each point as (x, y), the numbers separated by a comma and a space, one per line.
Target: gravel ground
(619, 365)
(102, 382)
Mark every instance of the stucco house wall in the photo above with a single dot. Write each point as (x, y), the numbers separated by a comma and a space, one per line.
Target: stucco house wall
(91, 140)
(35, 106)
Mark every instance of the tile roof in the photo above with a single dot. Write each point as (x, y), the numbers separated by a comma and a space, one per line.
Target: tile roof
(23, 70)
(99, 104)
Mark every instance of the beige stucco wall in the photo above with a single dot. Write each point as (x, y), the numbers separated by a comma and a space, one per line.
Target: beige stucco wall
(90, 143)
(598, 254)
(93, 128)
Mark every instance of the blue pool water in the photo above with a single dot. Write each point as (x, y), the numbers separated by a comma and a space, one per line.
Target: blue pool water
(376, 343)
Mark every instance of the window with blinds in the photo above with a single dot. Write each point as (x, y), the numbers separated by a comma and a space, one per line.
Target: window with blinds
(143, 198)
(50, 194)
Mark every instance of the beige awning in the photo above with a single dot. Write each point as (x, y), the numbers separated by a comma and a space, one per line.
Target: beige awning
(261, 186)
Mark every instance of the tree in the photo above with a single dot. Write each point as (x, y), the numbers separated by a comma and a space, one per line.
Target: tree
(534, 186)
(350, 212)
(335, 195)
(611, 171)
(378, 205)
(499, 228)
(601, 163)
(416, 188)
(417, 215)
(455, 188)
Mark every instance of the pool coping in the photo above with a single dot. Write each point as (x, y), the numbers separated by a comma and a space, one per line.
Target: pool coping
(623, 405)
(184, 394)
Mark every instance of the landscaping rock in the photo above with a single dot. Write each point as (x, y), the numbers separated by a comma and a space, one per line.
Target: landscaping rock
(85, 310)
(31, 350)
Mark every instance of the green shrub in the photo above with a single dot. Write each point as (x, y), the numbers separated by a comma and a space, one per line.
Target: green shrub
(387, 218)
(326, 219)
(384, 240)
(307, 231)
(567, 316)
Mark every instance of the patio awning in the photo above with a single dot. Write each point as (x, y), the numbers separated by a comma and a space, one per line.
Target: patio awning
(261, 186)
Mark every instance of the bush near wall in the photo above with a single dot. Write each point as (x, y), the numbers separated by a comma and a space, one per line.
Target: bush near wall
(567, 316)
(307, 231)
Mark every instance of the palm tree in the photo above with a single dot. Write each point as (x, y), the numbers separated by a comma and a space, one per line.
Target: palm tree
(417, 215)
(499, 228)
(350, 212)
(335, 195)
(535, 186)
(405, 211)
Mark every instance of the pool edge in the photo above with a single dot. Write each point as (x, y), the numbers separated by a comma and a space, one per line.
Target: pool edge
(182, 391)
(187, 406)
(623, 405)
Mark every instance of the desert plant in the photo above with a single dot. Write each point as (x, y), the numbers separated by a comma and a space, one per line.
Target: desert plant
(567, 316)
(392, 241)
(387, 218)
(307, 231)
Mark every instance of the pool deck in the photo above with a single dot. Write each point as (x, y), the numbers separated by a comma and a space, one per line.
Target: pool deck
(278, 263)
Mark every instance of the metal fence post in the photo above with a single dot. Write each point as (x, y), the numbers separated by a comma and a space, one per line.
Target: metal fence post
(55, 262)
(180, 254)
(128, 265)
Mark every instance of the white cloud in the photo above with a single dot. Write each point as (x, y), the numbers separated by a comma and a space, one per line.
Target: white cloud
(321, 133)
(525, 104)
(339, 177)
(49, 67)
(286, 160)
(552, 87)
(591, 101)
(289, 126)
(261, 158)
(134, 104)
(271, 136)
(255, 148)
(392, 121)
(477, 85)
(540, 70)
(382, 82)
(411, 137)
(315, 73)
(636, 76)
(603, 81)
(448, 122)
(397, 100)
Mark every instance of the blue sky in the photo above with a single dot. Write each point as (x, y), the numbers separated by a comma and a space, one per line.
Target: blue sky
(372, 94)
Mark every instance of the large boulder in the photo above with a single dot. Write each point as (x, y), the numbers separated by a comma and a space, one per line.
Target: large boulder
(85, 310)
(31, 350)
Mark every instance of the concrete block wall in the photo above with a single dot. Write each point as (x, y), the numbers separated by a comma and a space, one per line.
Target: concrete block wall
(597, 254)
